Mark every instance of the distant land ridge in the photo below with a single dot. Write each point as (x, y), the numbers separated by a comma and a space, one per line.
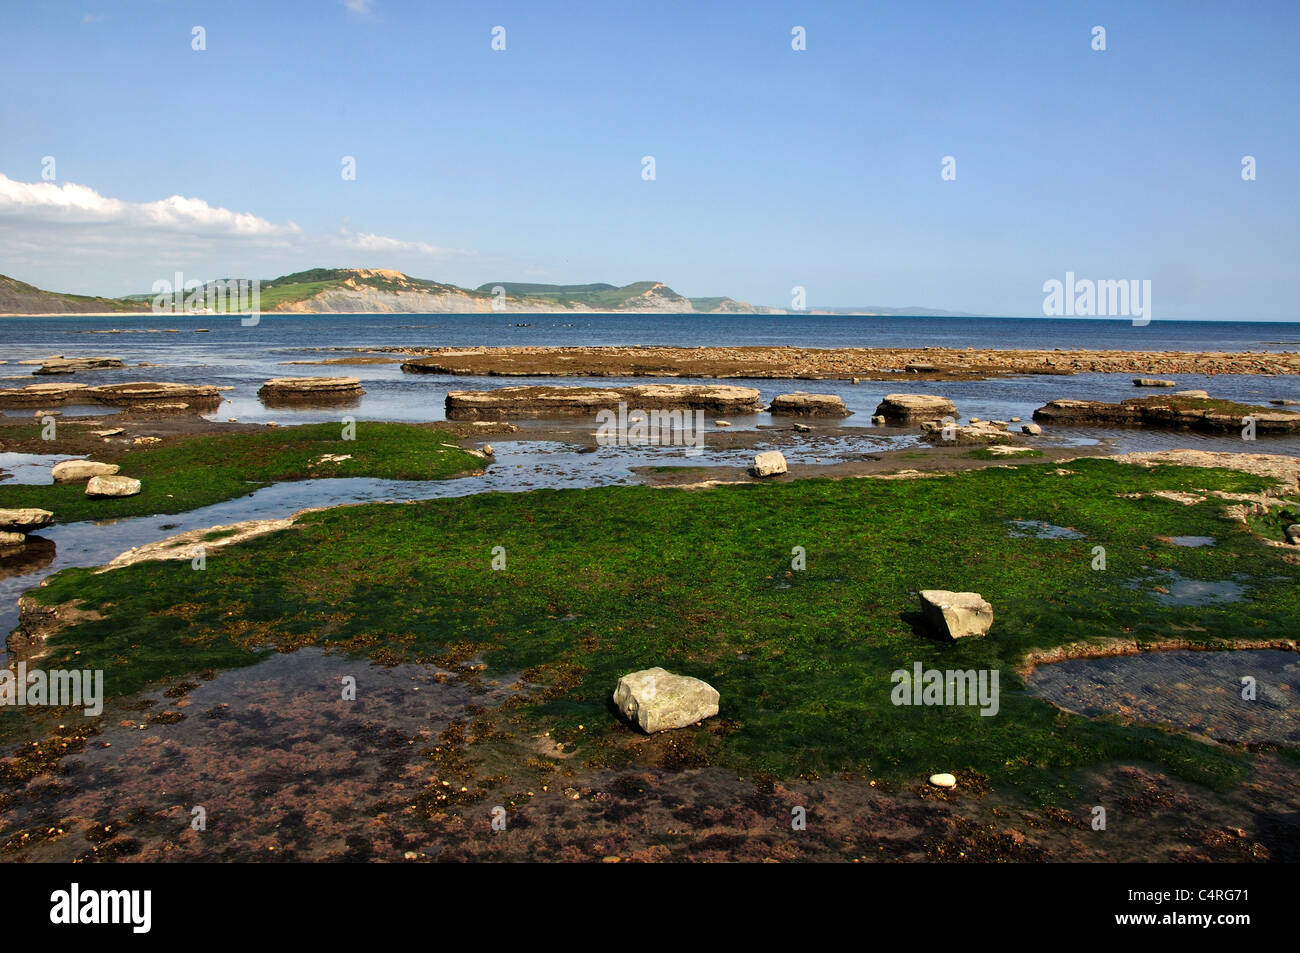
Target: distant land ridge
(380, 290)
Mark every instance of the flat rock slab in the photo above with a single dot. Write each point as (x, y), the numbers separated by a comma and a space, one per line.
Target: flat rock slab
(1153, 382)
(185, 546)
(135, 392)
(41, 394)
(914, 406)
(24, 520)
(1172, 412)
(771, 463)
(655, 699)
(74, 471)
(112, 486)
(70, 365)
(116, 395)
(311, 387)
(957, 615)
(800, 404)
(555, 401)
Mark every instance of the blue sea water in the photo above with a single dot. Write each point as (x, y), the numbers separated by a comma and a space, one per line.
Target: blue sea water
(80, 335)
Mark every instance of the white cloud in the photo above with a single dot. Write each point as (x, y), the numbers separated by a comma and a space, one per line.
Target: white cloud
(359, 7)
(71, 204)
(70, 237)
(368, 241)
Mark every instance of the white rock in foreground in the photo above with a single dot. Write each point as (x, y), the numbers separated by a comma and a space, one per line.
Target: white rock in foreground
(655, 699)
(943, 780)
(112, 486)
(956, 614)
(25, 519)
(770, 463)
(74, 471)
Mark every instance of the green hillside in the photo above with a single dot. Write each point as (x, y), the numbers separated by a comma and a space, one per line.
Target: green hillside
(18, 297)
(288, 291)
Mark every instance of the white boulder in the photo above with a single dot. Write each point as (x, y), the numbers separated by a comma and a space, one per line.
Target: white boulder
(771, 463)
(74, 471)
(655, 699)
(24, 520)
(956, 614)
(112, 486)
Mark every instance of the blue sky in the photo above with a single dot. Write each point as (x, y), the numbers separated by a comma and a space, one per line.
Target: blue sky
(774, 168)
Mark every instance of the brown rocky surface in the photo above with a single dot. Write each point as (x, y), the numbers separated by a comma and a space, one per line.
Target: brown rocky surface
(300, 391)
(41, 394)
(566, 401)
(135, 392)
(1169, 413)
(828, 363)
(801, 404)
(905, 407)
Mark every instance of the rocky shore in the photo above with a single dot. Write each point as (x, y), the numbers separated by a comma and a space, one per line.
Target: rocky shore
(136, 394)
(1170, 413)
(828, 364)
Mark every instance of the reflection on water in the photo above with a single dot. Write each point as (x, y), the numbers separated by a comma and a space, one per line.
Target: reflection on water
(1182, 591)
(1194, 542)
(1200, 692)
(30, 468)
(1043, 530)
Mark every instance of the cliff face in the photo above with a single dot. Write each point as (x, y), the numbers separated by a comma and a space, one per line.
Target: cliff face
(363, 299)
